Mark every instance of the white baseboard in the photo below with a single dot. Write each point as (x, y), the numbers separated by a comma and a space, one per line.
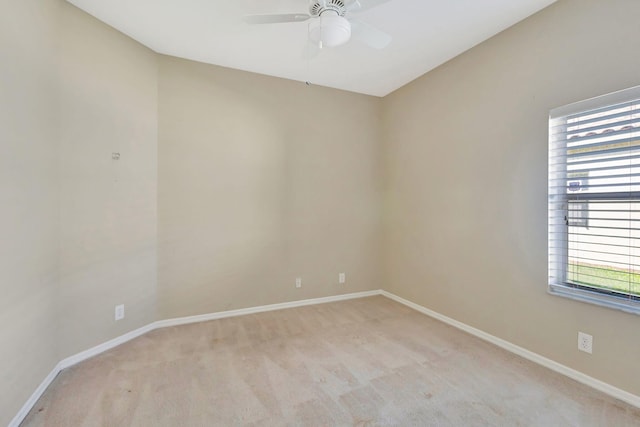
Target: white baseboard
(22, 413)
(101, 348)
(612, 391)
(262, 308)
(108, 345)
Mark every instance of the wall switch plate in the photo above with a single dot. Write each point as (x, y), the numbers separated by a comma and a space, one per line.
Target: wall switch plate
(342, 278)
(298, 282)
(585, 342)
(120, 312)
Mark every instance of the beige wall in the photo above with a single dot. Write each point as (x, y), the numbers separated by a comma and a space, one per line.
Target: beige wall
(108, 220)
(466, 152)
(78, 229)
(28, 201)
(262, 180)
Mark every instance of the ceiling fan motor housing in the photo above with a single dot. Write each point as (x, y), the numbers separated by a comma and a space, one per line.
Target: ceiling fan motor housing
(331, 28)
(318, 7)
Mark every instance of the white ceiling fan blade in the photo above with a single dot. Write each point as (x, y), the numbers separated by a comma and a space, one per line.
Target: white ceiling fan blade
(362, 5)
(369, 35)
(276, 19)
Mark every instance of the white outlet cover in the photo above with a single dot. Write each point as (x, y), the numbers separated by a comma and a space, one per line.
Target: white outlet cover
(120, 312)
(298, 282)
(342, 277)
(585, 342)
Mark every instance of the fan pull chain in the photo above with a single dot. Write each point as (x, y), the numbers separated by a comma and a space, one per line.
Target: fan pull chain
(308, 79)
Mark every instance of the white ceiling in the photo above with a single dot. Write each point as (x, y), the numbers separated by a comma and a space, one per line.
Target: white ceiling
(426, 33)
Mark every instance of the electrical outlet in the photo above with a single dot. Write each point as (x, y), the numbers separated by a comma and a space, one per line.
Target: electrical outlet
(585, 342)
(342, 278)
(120, 312)
(298, 282)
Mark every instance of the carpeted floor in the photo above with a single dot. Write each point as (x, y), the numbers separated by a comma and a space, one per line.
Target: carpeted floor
(361, 362)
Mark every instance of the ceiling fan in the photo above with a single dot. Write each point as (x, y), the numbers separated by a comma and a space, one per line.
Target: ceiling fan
(331, 23)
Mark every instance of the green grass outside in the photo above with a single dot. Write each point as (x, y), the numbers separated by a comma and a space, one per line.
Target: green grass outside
(605, 277)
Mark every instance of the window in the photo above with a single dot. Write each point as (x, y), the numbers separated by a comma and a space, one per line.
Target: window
(594, 200)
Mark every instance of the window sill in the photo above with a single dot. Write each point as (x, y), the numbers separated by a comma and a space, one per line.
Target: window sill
(596, 298)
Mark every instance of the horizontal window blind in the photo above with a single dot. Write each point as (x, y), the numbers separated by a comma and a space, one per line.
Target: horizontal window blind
(594, 196)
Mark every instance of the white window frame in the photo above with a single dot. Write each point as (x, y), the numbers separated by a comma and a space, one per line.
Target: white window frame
(558, 252)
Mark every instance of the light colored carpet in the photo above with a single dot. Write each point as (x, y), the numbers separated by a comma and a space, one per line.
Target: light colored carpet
(361, 362)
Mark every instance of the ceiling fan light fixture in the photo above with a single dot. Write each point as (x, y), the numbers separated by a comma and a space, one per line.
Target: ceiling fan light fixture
(330, 31)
